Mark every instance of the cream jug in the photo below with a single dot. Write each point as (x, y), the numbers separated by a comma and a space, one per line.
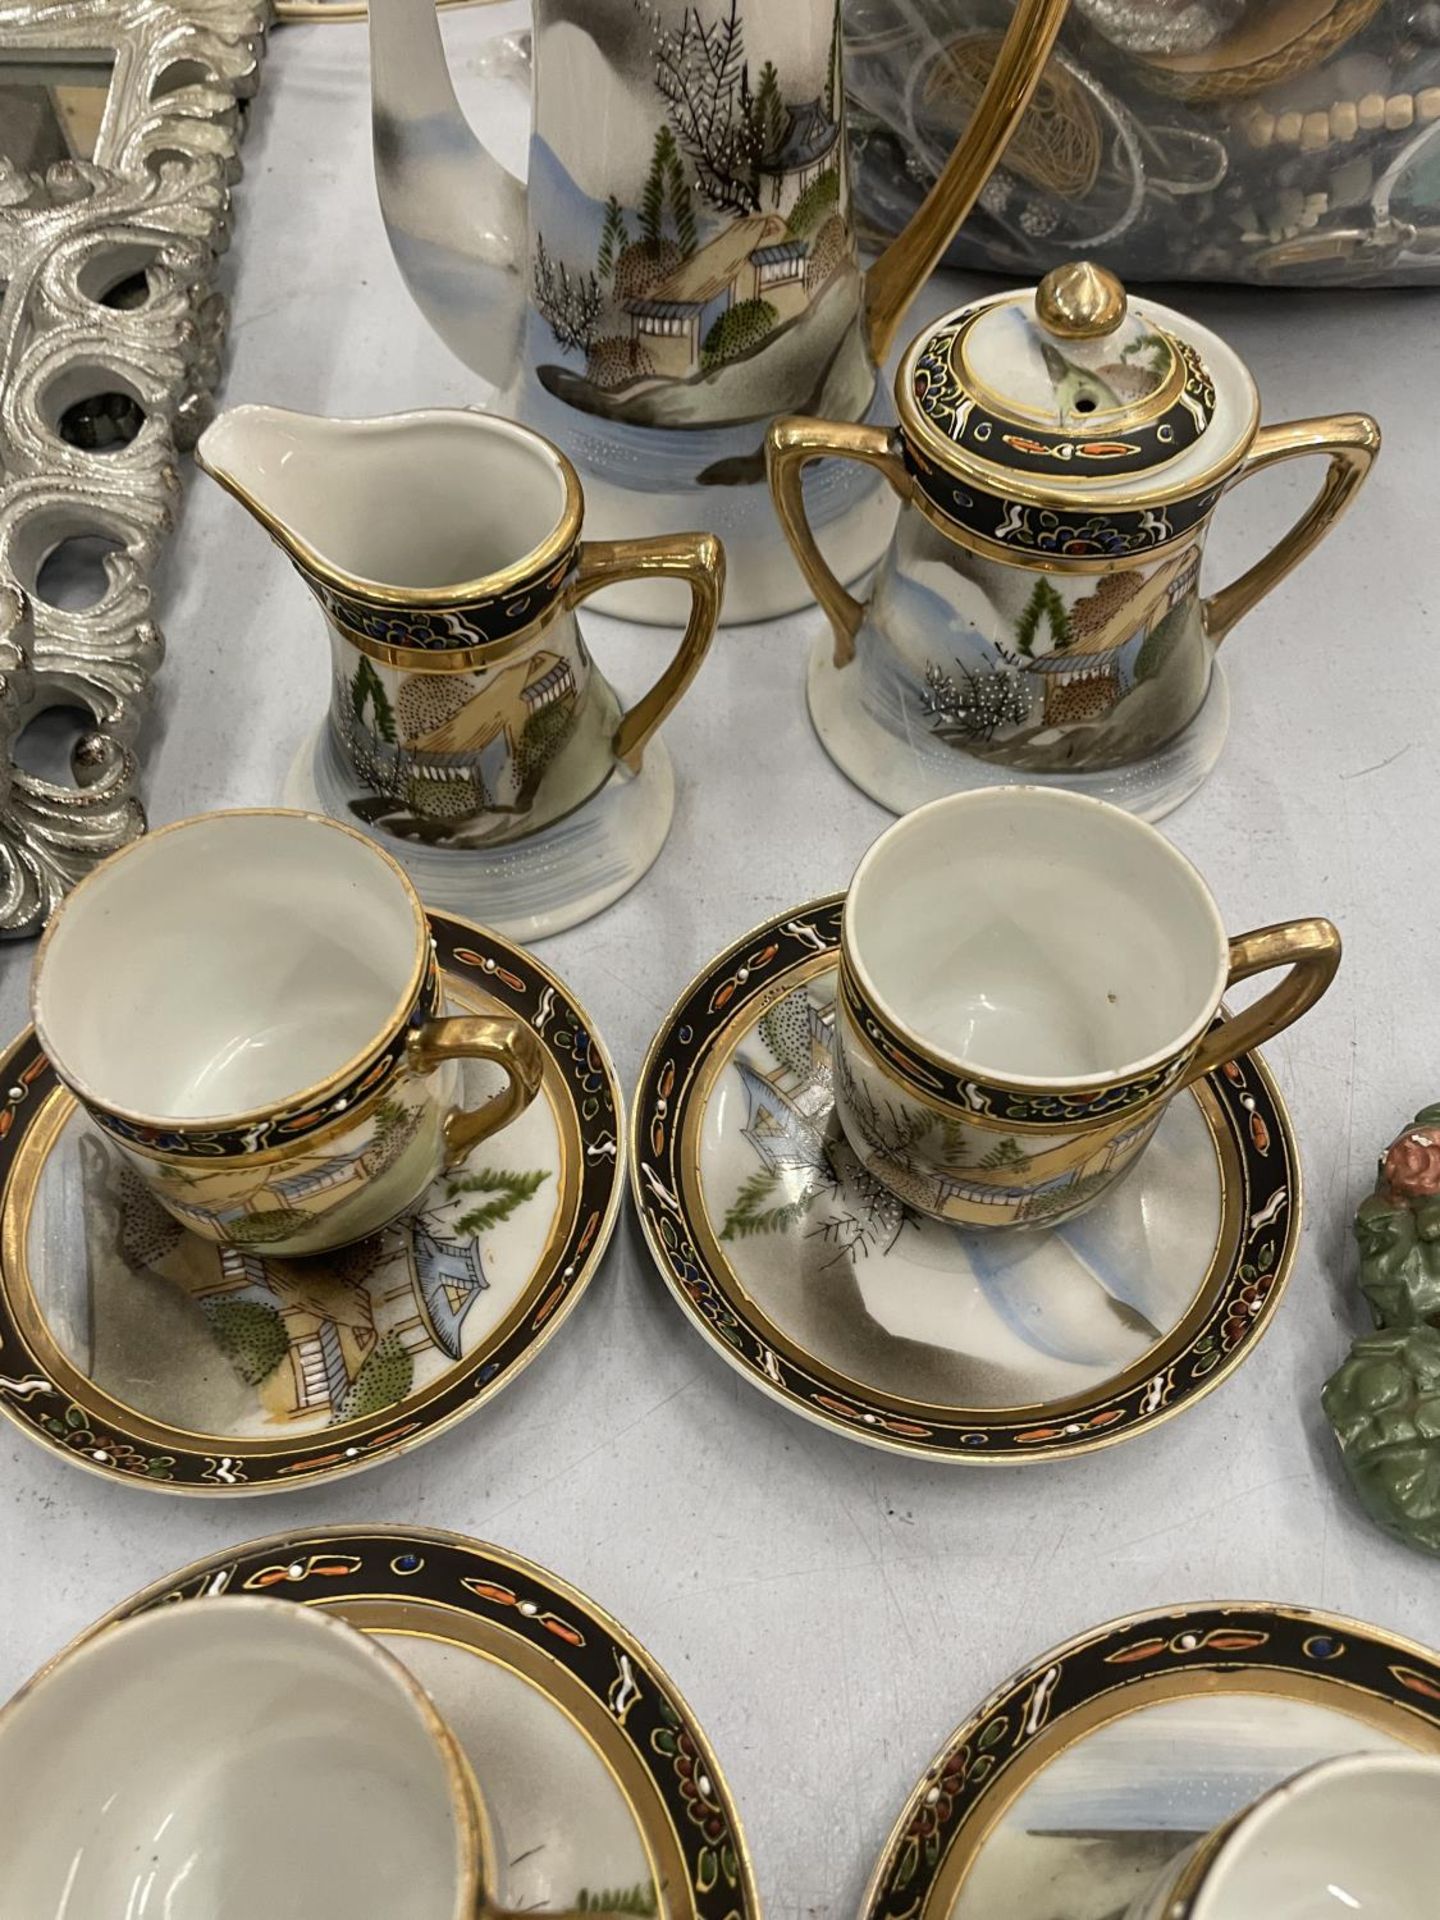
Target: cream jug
(1038, 615)
(444, 550)
(681, 264)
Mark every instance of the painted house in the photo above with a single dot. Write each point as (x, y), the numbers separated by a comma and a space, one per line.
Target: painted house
(810, 145)
(1085, 678)
(753, 258)
(786, 1110)
(332, 1328)
(1049, 1176)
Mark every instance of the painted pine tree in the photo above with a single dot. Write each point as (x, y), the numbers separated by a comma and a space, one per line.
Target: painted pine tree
(1044, 605)
(614, 237)
(367, 690)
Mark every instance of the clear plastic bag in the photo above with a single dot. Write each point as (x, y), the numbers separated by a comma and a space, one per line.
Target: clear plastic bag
(1282, 141)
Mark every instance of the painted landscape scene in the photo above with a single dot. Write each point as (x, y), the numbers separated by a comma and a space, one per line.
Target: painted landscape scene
(696, 266)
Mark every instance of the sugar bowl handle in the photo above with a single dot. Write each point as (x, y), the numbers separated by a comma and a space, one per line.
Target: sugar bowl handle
(698, 559)
(509, 1042)
(1310, 949)
(790, 446)
(1351, 440)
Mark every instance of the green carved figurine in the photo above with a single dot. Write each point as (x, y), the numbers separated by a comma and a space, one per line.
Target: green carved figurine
(1384, 1401)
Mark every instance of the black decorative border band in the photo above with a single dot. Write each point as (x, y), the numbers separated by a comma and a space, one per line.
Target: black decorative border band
(107, 1443)
(331, 1565)
(475, 623)
(989, 1099)
(942, 398)
(1074, 533)
(1249, 1639)
(756, 969)
(295, 1122)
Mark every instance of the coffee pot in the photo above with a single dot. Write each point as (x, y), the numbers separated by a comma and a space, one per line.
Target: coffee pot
(1038, 615)
(681, 264)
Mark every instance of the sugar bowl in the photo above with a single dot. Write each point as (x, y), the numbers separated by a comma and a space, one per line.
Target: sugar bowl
(1037, 617)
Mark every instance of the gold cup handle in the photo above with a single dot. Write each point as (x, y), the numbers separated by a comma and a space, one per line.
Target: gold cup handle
(509, 1042)
(697, 558)
(1311, 950)
(1352, 440)
(790, 446)
(906, 264)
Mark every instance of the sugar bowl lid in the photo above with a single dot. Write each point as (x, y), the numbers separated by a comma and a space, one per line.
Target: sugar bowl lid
(1071, 388)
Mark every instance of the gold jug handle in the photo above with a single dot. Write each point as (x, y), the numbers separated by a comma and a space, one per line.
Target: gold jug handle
(697, 558)
(1351, 440)
(1311, 950)
(790, 446)
(503, 1038)
(907, 263)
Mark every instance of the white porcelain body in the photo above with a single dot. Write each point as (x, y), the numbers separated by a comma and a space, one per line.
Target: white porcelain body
(579, 316)
(231, 1758)
(389, 521)
(1013, 963)
(213, 995)
(1355, 1835)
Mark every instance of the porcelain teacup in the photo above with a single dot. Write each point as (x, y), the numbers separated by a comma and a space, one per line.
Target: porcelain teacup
(1359, 1834)
(232, 1757)
(1027, 977)
(249, 1005)
(236, 1756)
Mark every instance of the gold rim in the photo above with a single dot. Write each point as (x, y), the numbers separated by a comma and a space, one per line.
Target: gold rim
(1002, 481)
(1115, 419)
(307, 1096)
(986, 549)
(1118, 1703)
(556, 544)
(1220, 1262)
(543, 1665)
(871, 1436)
(17, 1200)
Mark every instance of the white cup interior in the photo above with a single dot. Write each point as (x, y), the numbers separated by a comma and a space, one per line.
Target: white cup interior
(225, 965)
(225, 1759)
(431, 499)
(1036, 935)
(1357, 1836)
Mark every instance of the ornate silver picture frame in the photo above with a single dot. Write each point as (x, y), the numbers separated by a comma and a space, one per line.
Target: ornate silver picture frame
(119, 127)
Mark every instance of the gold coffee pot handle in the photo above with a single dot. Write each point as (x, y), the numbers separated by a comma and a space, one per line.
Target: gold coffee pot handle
(1311, 950)
(503, 1038)
(911, 257)
(790, 446)
(1352, 440)
(697, 558)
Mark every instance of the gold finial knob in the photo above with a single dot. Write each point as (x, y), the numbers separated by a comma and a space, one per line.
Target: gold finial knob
(1080, 301)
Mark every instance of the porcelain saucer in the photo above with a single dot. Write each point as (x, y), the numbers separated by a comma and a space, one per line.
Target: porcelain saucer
(525, 889)
(873, 726)
(154, 1357)
(1068, 1791)
(608, 1796)
(812, 1280)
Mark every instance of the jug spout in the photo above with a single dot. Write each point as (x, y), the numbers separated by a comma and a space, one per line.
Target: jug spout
(281, 467)
(454, 216)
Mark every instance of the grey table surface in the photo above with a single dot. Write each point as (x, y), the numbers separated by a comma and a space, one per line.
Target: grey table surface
(829, 1610)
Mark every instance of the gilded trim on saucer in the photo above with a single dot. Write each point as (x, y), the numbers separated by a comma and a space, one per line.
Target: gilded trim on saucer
(1232, 1309)
(982, 1100)
(1179, 1652)
(470, 1595)
(49, 1399)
